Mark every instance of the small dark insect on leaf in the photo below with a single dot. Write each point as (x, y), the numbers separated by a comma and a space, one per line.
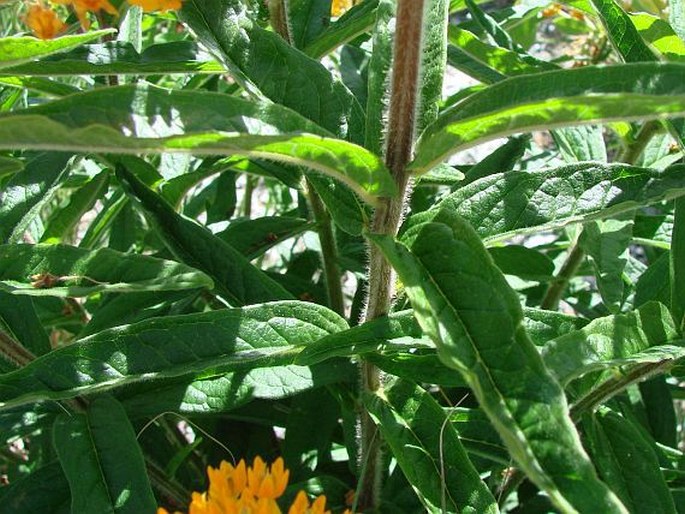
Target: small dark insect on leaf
(271, 237)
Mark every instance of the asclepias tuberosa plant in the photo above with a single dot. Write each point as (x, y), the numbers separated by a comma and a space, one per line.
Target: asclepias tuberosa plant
(400, 255)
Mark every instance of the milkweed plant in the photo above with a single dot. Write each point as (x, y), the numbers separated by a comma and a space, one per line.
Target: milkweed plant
(335, 256)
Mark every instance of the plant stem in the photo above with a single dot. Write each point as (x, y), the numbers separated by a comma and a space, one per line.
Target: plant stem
(556, 289)
(644, 136)
(615, 385)
(329, 251)
(14, 352)
(400, 141)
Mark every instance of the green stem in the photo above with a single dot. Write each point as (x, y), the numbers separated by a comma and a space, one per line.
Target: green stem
(677, 264)
(556, 289)
(400, 140)
(246, 207)
(644, 136)
(329, 251)
(615, 385)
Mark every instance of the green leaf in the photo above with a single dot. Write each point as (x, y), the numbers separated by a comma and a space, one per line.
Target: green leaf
(67, 271)
(47, 86)
(610, 342)
(660, 35)
(364, 338)
(263, 63)
(477, 434)
(626, 459)
(17, 50)
(353, 23)
(502, 159)
(469, 53)
(82, 200)
(307, 19)
(232, 390)
(119, 58)
(362, 171)
(102, 461)
(10, 166)
(622, 33)
(44, 490)
(584, 143)
(462, 301)
(427, 448)
(253, 237)
(19, 319)
(380, 66)
(348, 213)
(433, 60)
(523, 262)
(234, 277)
(554, 99)
(508, 204)
(199, 345)
(28, 191)
(189, 121)
(606, 243)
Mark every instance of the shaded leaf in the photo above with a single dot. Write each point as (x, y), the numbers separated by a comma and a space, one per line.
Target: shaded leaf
(415, 428)
(203, 345)
(102, 461)
(59, 270)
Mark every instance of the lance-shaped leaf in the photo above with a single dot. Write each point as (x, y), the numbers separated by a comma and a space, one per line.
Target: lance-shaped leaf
(17, 50)
(136, 119)
(60, 270)
(622, 33)
(507, 204)
(626, 459)
(611, 341)
(253, 237)
(428, 450)
(18, 319)
(119, 58)
(463, 302)
(361, 170)
(235, 278)
(28, 191)
(229, 391)
(554, 99)
(606, 242)
(82, 200)
(102, 461)
(206, 344)
(265, 64)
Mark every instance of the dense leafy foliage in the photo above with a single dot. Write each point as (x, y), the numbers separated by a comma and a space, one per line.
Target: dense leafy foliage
(246, 231)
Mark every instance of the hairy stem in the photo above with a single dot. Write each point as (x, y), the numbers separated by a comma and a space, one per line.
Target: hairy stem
(399, 147)
(329, 252)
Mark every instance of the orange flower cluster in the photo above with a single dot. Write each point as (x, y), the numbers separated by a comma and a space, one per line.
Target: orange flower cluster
(254, 490)
(46, 24)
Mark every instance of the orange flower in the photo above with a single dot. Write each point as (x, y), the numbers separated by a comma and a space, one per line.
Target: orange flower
(43, 21)
(338, 7)
(301, 505)
(157, 5)
(254, 490)
(267, 483)
(83, 7)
